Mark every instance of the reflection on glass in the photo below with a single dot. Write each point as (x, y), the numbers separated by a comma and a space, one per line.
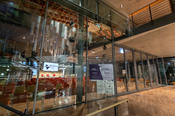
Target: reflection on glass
(100, 87)
(130, 71)
(121, 71)
(139, 70)
(146, 71)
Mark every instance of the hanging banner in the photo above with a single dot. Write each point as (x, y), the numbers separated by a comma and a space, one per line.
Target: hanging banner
(101, 72)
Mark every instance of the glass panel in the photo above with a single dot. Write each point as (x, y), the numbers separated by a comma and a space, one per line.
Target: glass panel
(161, 67)
(120, 70)
(152, 72)
(139, 70)
(155, 74)
(130, 70)
(61, 75)
(20, 38)
(100, 87)
(145, 70)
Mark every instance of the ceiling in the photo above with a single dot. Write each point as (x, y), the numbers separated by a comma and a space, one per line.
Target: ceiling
(128, 6)
(141, 11)
(160, 41)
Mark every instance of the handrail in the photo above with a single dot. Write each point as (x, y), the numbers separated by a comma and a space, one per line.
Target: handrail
(109, 107)
(13, 110)
(146, 7)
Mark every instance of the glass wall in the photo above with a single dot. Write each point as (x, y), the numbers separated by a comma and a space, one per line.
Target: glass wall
(20, 38)
(130, 70)
(97, 86)
(120, 70)
(139, 70)
(52, 56)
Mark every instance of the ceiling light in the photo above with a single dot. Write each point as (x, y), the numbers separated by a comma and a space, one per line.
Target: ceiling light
(121, 50)
(121, 5)
(93, 51)
(23, 37)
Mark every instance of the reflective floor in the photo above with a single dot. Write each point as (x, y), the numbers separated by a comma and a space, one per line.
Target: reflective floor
(155, 102)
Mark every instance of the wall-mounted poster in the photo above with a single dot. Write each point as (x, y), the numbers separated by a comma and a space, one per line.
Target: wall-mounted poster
(48, 66)
(105, 87)
(101, 72)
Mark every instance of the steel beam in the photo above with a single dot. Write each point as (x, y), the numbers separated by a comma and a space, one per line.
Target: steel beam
(83, 11)
(150, 14)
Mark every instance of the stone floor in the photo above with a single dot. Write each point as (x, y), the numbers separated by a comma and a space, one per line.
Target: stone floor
(155, 102)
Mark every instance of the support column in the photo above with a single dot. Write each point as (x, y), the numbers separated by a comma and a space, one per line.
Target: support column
(149, 71)
(158, 69)
(164, 72)
(143, 73)
(155, 69)
(113, 57)
(87, 64)
(126, 76)
(135, 68)
(41, 54)
(80, 48)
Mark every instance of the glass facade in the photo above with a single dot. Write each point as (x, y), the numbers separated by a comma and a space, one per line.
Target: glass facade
(47, 52)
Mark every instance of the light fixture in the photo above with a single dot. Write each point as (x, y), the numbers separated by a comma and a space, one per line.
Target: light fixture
(2, 74)
(121, 50)
(24, 37)
(93, 51)
(121, 5)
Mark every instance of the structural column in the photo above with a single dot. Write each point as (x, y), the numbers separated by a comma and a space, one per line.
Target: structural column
(126, 75)
(143, 73)
(158, 69)
(155, 73)
(149, 70)
(135, 68)
(41, 54)
(80, 48)
(113, 57)
(164, 72)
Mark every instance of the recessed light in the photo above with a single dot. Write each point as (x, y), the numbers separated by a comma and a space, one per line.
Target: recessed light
(121, 5)
(23, 37)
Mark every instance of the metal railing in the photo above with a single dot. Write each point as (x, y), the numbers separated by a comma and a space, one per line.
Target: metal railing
(109, 107)
(14, 110)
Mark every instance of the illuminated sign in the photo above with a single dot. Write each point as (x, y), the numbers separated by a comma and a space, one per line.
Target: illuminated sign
(50, 66)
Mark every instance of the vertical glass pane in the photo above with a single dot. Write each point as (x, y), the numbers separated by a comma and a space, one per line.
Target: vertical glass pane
(130, 70)
(100, 65)
(146, 71)
(152, 71)
(139, 70)
(161, 67)
(120, 70)
(61, 74)
(20, 38)
(155, 74)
